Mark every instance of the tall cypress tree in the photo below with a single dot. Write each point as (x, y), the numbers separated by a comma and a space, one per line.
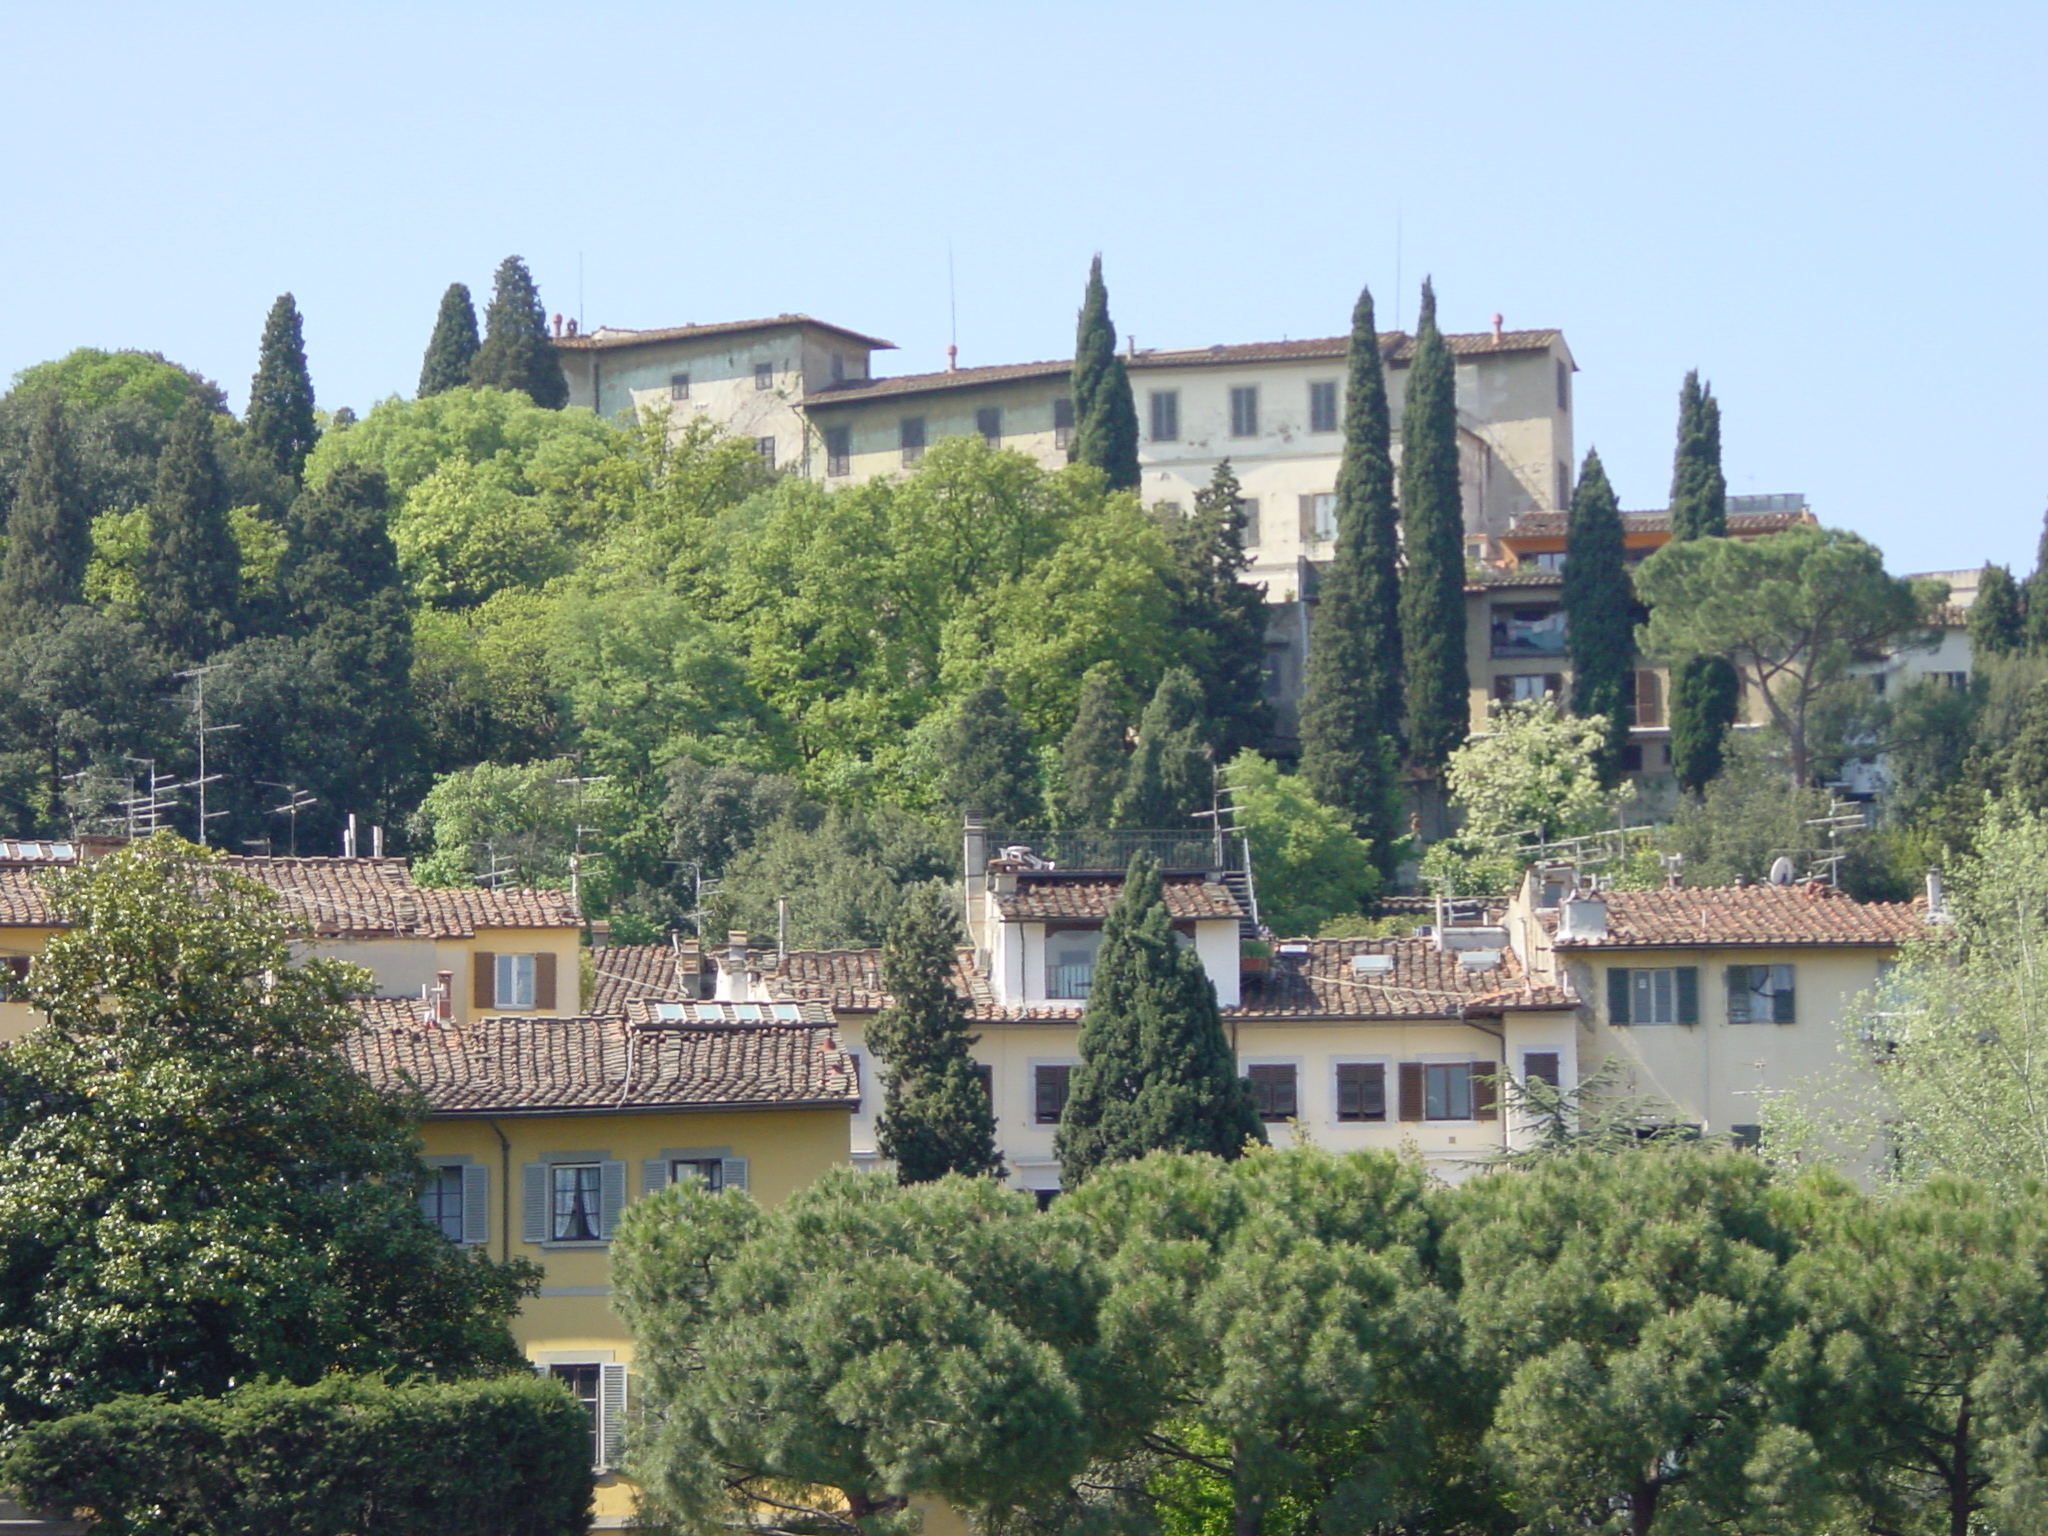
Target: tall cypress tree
(1599, 621)
(49, 528)
(988, 761)
(2036, 597)
(1433, 527)
(1220, 614)
(516, 352)
(1157, 1073)
(1998, 623)
(1351, 695)
(1699, 491)
(1169, 775)
(1092, 755)
(452, 349)
(1105, 413)
(191, 572)
(936, 1118)
(280, 418)
(1706, 695)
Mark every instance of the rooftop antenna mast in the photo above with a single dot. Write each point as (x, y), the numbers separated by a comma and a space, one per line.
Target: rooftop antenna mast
(152, 800)
(490, 878)
(1841, 816)
(576, 856)
(295, 801)
(203, 730)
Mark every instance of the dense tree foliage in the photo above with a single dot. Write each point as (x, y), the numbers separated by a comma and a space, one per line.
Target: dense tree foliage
(1171, 773)
(1219, 615)
(1433, 538)
(190, 575)
(1599, 615)
(516, 352)
(1092, 753)
(1699, 490)
(49, 527)
(986, 760)
(1105, 413)
(1310, 866)
(1706, 701)
(1997, 619)
(280, 415)
(452, 349)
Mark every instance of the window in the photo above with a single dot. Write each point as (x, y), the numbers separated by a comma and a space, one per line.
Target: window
(1165, 405)
(1520, 687)
(1667, 996)
(712, 1168)
(601, 1389)
(1273, 1091)
(1632, 758)
(910, 432)
(764, 375)
(576, 1203)
(1248, 514)
(988, 421)
(515, 981)
(1063, 422)
(838, 450)
(765, 446)
(1070, 961)
(1528, 632)
(441, 1202)
(512, 981)
(1542, 1067)
(1050, 1086)
(1361, 1090)
(679, 386)
(1648, 705)
(585, 1385)
(1564, 385)
(1448, 1090)
(1322, 407)
(1244, 411)
(1760, 994)
(704, 1172)
(1546, 560)
(1319, 516)
(1878, 683)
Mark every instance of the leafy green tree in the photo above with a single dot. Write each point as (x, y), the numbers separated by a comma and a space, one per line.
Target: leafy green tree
(1789, 611)
(1105, 413)
(1311, 867)
(85, 690)
(936, 1118)
(280, 416)
(1706, 700)
(1351, 696)
(348, 1453)
(1219, 616)
(1092, 755)
(846, 875)
(1997, 621)
(516, 352)
(1433, 535)
(468, 531)
(1628, 1307)
(49, 528)
(1699, 491)
(484, 685)
(861, 1345)
(1156, 1073)
(452, 349)
(1168, 776)
(988, 762)
(715, 811)
(191, 572)
(1743, 819)
(187, 1114)
(1599, 621)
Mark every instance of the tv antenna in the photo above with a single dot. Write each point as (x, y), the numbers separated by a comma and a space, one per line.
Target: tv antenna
(154, 798)
(295, 801)
(203, 730)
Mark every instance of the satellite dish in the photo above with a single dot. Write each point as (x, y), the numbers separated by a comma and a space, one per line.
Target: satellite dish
(1783, 871)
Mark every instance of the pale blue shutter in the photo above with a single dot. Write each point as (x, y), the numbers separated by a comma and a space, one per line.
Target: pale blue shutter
(611, 1197)
(734, 1172)
(536, 1202)
(653, 1175)
(611, 1413)
(476, 1204)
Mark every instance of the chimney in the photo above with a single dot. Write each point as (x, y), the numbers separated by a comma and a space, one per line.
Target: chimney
(444, 996)
(1937, 899)
(376, 842)
(572, 329)
(689, 969)
(1582, 915)
(952, 357)
(348, 837)
(1496, 326)
(558, 325)
(733, 983)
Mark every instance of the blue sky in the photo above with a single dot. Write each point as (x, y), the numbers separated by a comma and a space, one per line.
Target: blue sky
(1836, 212)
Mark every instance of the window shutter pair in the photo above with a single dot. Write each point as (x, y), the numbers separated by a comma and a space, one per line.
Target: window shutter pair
(1485, 1090)
(654, 1173)
(483, 986)
(1411, 1090)
(534, 1205)
(476, 1204)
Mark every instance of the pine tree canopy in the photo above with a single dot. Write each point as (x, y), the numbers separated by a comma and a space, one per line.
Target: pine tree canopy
(49, 527)
(280, 416)
(988, 762)
(936, 1118)
(1105, 412)
(1156, 1071)
(1997, 619)
(1220, 615)
(516, 353)
(1168, 778)
(1433, 525)
(191, 573)
(452, 349)
(1699, 491)
(1599, 616)
(1092, 755)
(1351, 695)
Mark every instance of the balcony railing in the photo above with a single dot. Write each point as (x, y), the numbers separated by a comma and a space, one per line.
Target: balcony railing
(1173, 848)
(1068, 981)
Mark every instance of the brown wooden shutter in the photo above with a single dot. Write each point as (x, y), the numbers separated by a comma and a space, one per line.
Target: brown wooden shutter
(1411, 1090)
(483, 985)
(544, 981)
(1485, 1092)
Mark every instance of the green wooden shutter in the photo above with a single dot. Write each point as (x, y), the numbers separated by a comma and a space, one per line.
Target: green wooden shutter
(1485, 1092)
(1688, 994)
(653, 1175)
(1617, 994)
(611, 1416)
(1738, 994)
(476, 1204)
(733, 1173)
(611, 1199)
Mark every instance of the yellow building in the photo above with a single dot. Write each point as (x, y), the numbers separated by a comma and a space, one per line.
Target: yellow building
(543, 1129)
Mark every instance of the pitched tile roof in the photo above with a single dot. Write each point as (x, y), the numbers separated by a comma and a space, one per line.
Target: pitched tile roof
(1053, 895)
(1552, 525)
(23, 903)
(850, 980)
(630, 972)
(1757, 916)
(376, 898)
(1487, 578)
(1316, 978)
(607, 337)
(516, 1065)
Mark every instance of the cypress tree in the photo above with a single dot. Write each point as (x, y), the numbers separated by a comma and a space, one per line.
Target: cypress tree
(1221, 614)
(1699, 491)
(191, 572)
(338, 559)
(1997, 621)
(49, 529)
(1156, 1073)
(1351, 695)
(1092, 755)
(1433, 527)
(1705, 696)
(988, 761)
(1168, 777)
(452, 349)
(280, 417)
(936, 1118)
(2036, 598)
(1105, 413)
(516, 352)
(1599, 623)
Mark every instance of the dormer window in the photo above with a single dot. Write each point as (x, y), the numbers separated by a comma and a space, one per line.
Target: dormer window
(1070, 962)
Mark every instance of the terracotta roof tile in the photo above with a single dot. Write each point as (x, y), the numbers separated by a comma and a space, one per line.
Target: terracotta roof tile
(514, 1065)
(1773, 916)
(1551, 525)
(611, 336)
(630, 972)
(1316, 978)
(23, 903)
(1053, 895)
(850, 980)
(376, 898)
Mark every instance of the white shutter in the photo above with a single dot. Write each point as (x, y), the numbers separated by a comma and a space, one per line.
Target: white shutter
(611, 1198)
(611, 1413)
(734, 1172)
(536, 1203)
(653, 1175)
(476, 1204)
